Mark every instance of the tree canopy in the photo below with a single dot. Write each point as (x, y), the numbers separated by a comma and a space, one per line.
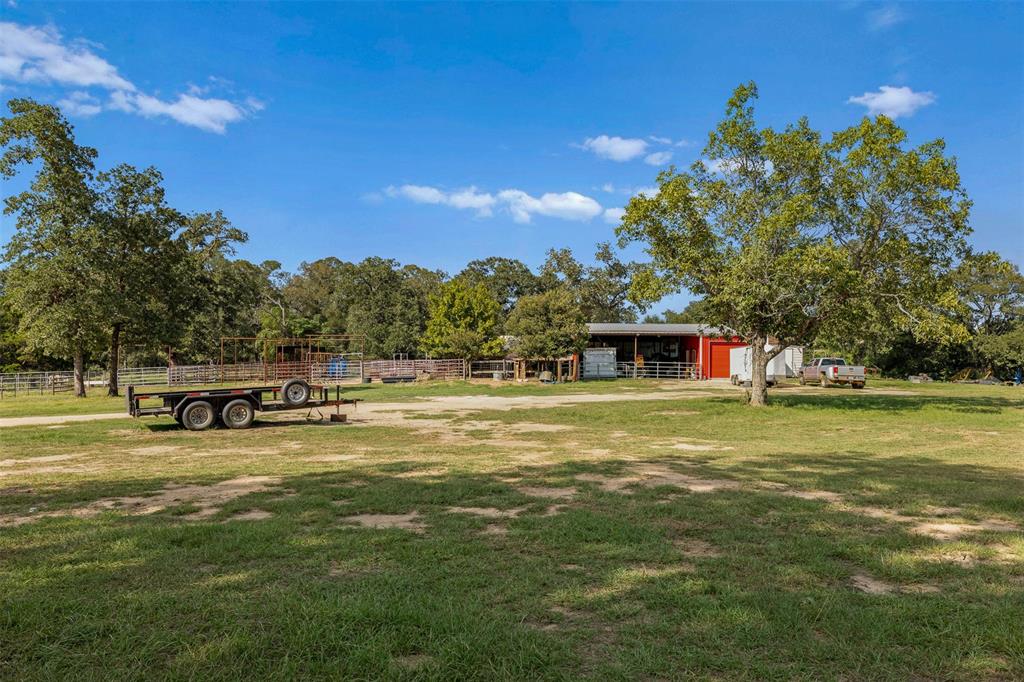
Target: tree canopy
(786, 236)
(463, 322)
(547, 325)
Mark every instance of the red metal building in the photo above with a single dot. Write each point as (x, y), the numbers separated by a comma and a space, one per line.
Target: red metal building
(703, 347)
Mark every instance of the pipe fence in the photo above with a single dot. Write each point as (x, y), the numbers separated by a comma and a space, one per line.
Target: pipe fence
(337, 369)
(491, 369)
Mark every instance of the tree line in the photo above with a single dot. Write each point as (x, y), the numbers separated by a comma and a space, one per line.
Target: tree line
(855, 244)
(101, 267)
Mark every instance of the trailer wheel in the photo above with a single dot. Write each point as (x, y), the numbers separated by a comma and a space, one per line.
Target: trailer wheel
(295, 392)
(238, 414)
(198, 416)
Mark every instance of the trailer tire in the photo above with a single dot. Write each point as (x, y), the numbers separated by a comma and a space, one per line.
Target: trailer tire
(198, 416)
(238, 414)
(295, 393)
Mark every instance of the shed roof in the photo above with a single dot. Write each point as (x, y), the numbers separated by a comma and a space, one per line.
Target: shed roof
(651, 329)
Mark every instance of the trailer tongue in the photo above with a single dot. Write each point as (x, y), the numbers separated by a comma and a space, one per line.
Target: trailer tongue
(234, 407)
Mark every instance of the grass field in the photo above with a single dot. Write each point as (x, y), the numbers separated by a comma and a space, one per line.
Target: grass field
(619, 530)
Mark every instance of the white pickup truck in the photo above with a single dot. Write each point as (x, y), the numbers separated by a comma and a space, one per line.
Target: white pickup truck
(832, 371)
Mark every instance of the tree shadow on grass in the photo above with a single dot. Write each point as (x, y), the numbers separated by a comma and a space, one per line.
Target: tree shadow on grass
(887, 403)
(603, 587)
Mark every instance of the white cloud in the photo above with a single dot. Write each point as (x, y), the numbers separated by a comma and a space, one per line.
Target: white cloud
(613, 216)
(685, 143)
(608, 187)
(893, 102)
(31, 54)
(885, 17)
(565, 205)
(419, 193)
(521, 205)
(649, 192)
(80, 103)
(210, 114)
(615, 148)
(659, 140)
(467, 198)
(658, 158)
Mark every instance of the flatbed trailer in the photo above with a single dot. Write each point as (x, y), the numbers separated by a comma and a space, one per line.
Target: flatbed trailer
(233, 407)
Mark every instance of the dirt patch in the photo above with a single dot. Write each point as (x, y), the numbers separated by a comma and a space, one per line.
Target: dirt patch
(552, 493)
(942, 511)
(652, 476)
(59, 419)
(157, 450)
(408, 521)
(251, 515)
(868, 585)
(863, 582)
(487, 512)
(332, 458)
(36, 460)
(495, 529)
(697, 549)
(554, 509)
(951, 530)
(610, 484)
(209, 499)
(413, 661)
(660, 475)
(514, 427)
(825, 495)
(697, 447)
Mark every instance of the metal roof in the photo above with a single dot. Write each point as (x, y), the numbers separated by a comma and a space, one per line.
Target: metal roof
(651, 329)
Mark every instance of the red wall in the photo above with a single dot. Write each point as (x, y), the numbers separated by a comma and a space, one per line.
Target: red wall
(706, 367)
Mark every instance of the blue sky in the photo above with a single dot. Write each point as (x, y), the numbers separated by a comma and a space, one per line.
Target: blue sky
(436, 134)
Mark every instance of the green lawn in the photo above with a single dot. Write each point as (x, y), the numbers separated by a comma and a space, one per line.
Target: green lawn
(833, 535)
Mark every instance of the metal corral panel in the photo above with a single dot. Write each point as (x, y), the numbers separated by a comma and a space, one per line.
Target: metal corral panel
(599, 363)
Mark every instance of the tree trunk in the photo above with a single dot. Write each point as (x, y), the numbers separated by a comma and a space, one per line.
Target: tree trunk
(115, 348)
(758, 368)
(79, 373)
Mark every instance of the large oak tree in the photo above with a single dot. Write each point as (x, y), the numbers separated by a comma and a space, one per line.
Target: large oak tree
(785, 235)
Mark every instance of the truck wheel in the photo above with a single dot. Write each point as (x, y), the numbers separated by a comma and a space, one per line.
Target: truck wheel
(238, 414)
(198, 415)
(823, 381)
(295, 392)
